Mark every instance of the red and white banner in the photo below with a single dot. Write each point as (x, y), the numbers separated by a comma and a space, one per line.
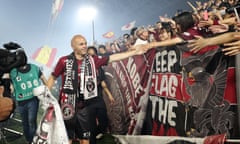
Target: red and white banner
(56, 8)
(128, 26)
(190, 95)
(145, 139)
(51, 128)
(129, 81)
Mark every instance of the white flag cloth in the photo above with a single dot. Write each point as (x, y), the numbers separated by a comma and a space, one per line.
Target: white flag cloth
(51, 128)
(128, 26)
(149, 139)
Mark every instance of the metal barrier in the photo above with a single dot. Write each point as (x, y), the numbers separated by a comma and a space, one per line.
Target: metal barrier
(7, 126)
(13, 118)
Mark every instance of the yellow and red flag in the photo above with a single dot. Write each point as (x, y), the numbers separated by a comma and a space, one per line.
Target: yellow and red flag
(45, 55)
(108, 35)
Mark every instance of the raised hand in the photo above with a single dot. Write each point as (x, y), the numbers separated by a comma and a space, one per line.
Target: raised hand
(232, 48)
(197, 44)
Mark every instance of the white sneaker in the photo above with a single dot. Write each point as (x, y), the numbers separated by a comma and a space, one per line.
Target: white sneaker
(99, 136)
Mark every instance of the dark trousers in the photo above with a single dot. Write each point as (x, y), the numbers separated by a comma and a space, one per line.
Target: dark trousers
(98, 112)
(28, 111)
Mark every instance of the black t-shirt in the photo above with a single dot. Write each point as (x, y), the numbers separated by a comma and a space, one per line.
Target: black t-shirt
(100, 77)
(6, 82)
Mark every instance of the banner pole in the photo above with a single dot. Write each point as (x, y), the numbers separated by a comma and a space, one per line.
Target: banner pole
(237, 73)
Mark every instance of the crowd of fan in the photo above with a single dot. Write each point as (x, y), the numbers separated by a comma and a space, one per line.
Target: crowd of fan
(205, 20)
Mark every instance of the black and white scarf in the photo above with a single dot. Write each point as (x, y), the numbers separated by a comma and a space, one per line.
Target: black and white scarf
(87, 86)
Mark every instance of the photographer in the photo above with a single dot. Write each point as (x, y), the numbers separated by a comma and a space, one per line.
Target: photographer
(11, 56)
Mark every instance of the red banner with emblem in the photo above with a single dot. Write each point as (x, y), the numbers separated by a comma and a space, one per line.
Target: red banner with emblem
(189, 95)
(129, 81)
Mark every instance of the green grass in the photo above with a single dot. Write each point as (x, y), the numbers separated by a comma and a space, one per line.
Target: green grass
(107, 139)
(16, 139)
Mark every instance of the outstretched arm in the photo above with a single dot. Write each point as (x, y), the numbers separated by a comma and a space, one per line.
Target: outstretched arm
(200, 42)
(157, 44)
(123, 55)
(142, 48)
(232, 48)
(169, 42)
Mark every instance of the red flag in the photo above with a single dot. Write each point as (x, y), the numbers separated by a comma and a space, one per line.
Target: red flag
(56, 8)
(215, 139)
(108, 35)
(45, 55)
(128, 26)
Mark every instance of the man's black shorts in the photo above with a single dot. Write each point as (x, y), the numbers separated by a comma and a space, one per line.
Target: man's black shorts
(78, 126)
